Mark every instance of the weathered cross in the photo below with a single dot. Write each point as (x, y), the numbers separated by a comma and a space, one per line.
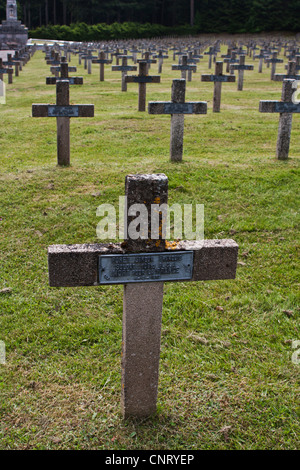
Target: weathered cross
(102, 61)
(211, 53)
(8, 70)
(64, 75)
(291, 73)
(124, 68)
(142, 265)
(142, 79)
(177, 107)
(10, 62)
(63, 111)
(286, 107)
(184, 67)
(241, 68)
(218, 79)
(261, 56)
(273, 60)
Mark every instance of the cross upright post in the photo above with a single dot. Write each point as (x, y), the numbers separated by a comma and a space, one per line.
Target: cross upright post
(218, 79)
(142, 263)
(142, 79)
(177, 107)
(63, 111)
(286, 107)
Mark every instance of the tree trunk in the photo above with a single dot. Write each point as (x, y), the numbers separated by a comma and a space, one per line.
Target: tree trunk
(46, 13)
(65, 11)
(192, 12)
(54, 11)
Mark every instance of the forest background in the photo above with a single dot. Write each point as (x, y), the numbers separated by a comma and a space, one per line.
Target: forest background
(83, 20)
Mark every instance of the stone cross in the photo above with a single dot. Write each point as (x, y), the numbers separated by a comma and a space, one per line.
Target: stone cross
(273, 60)
(8, 70)
(124, 68)
(160, 56)
(142, 265)
(211, 53)
(63, 111)
(218, 79)
(64, 75)
(101, 60)
(142, 79)
(147, 59)
(241, 68)
(177, 107)
(184, 67)
(286, 107)
(261, 56)
(10, 62)
(291, 73)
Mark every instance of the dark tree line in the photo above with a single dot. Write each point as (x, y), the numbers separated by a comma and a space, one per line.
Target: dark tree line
(207, 15)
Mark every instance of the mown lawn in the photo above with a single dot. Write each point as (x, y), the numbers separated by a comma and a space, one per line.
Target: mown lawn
(227, 378)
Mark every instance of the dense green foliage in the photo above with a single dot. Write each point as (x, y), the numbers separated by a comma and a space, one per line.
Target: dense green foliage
(156, 17)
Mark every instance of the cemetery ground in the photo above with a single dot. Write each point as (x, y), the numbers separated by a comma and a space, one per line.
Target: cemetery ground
(227, 378)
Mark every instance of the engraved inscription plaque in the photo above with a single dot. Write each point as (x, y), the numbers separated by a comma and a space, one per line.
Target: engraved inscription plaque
(282, 107)
(145, 267)
(63, 111)
(178, 108)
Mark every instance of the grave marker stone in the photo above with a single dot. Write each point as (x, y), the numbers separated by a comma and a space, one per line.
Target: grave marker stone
(142, 266)
(177, 107)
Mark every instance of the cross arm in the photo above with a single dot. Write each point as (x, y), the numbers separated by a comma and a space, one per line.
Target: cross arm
(123, 68)
(217, 78)
(77, 265)
(278, 107)
(142, 79)
(49, 110)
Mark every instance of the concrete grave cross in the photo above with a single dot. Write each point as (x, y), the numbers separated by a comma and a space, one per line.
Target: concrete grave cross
(286, 107)
(7, 70)
(63, 111)
(261, 56)
(177, 107)
(274, 61)
(218, 79)
(147, 58)
(211, 53)
(142, 265)
(291, 73)
(160, 56)
(241, 68)
(102, 61)
(184, 67)
(124, 68)
(142, 79)
(10, 62)
(64, 74)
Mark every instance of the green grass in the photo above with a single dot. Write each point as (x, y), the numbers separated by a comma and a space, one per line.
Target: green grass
(227, 380)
